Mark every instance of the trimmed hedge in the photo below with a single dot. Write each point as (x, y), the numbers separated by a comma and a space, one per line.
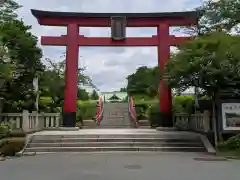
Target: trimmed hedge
(233, 143)
(86, 110)
(12, 142)
(16, 133)
(183, 104)
(4, 130)
(157, 118)
(11, 146)
(142, 108)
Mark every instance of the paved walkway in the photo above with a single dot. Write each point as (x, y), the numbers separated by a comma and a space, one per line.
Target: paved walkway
(118, 166)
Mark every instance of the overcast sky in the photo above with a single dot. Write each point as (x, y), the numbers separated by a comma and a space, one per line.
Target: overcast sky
(107, 66)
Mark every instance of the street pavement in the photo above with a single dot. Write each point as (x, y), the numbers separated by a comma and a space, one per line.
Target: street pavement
(120, 166)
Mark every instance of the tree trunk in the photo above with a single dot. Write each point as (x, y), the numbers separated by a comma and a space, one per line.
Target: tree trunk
(214, 119)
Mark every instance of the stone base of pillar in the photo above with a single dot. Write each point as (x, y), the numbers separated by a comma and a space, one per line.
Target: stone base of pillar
(166, 119)
(69, 119)
(166, 129)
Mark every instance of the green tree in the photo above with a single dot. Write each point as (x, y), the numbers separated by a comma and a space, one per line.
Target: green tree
(7, 13)
(144, 81)
(20, 59)
(83, 94)
(5, 67)
(24, 59)
(123, 89)
(210, 62)
(218, 15)
(52, 83)
(94, 95)
(221, 14)
(8, 10)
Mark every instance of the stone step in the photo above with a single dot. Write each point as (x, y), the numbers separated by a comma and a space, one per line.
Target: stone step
(89, 124)
(171, 135)
(90, 127)
(116, 144)
(48, 140)
(114, 126)
(143, 123)
(110, 149)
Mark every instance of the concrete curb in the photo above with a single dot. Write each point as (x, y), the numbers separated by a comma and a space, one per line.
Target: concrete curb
(28, 139)
(166, 129)
(62, 129)
(210, 149)
(2, 158)
(232, 157)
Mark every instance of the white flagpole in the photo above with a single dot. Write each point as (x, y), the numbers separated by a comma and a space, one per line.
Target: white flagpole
(35, 86)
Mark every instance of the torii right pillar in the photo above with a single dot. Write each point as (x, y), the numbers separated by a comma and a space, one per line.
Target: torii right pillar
(165, 93)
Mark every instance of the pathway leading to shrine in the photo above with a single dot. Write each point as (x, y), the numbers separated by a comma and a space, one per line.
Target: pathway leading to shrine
(119, 166)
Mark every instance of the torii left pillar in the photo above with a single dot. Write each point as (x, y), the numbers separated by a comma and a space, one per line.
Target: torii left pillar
(71, 76)
(165, 93)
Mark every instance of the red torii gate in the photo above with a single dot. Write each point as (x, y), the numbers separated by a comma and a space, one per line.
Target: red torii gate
(73, 40)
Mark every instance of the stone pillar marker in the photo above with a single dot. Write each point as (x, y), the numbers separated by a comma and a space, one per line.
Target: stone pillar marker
(25, 121)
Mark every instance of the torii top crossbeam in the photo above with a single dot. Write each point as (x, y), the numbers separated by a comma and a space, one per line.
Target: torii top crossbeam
(103, 20)
(84, 19)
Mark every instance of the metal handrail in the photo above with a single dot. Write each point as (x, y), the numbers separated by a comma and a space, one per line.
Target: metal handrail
(132, 111)
(99, 111)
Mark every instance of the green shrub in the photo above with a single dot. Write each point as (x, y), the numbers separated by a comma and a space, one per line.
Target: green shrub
(142, 108)
(9, 147)
(16, 133)
(153, 115)
(5, 128)
(79, 124)
(183, 104)
(86, 110)
(233, 143)
(157, 118)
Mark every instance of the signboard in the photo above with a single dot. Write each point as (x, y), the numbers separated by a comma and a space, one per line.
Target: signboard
(118, 27)
(231, 116)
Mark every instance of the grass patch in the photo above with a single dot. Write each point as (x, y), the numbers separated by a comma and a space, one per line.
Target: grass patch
(230, 153)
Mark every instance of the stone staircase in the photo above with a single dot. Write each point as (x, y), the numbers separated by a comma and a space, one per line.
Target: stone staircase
(143, 124)
(89, 124)
(109, 142)
(116, 115)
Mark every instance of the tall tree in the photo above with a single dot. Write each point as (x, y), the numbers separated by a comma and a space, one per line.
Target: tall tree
(83, 94)
(221, 15)
(210, 62)
(94, 95)
(8, 10)
(144, 81)
(52, 82)
(123, 89)
(7, 13)
(23, 58)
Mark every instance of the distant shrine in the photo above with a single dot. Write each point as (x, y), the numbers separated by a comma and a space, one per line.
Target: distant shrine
(115, 96)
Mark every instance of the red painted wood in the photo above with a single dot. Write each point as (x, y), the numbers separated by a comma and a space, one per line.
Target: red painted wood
(163, 56)
(71, 76)
(54, 41)
(106, 41)
(100, 41)
(105, 22)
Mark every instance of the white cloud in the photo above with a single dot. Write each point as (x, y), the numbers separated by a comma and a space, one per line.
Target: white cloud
(107, 66)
